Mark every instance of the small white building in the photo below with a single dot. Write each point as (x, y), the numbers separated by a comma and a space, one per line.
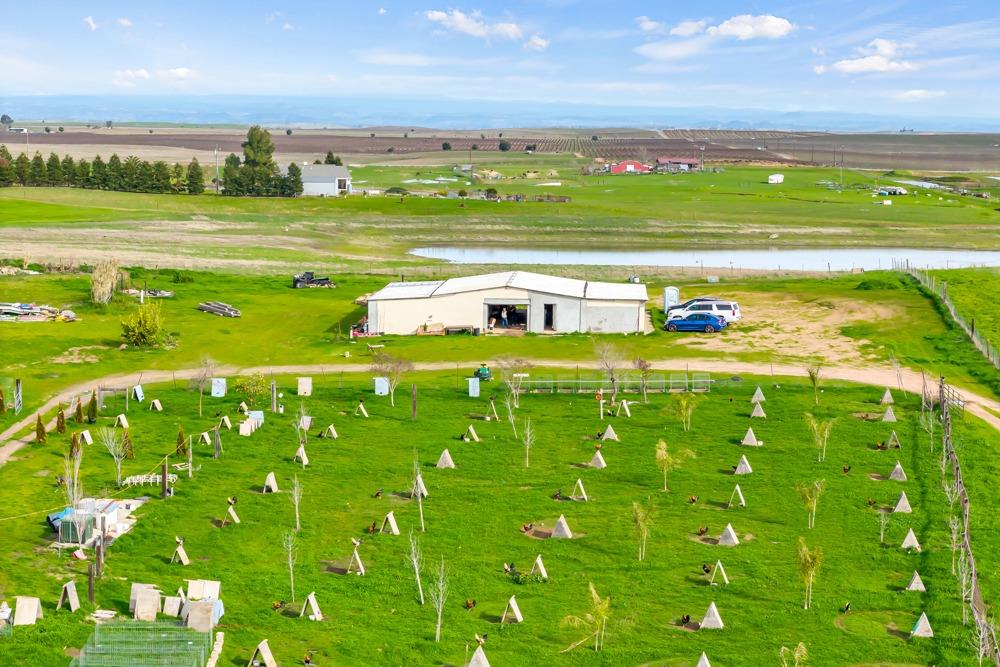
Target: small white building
(324, 180)
(776, 179)
(533, 303)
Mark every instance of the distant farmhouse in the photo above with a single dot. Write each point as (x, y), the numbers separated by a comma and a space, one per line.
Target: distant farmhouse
(629, 167)
(530, 302)
(671, 165)
(324, 180)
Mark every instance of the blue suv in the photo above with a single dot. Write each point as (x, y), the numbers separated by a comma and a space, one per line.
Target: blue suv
(697, 322)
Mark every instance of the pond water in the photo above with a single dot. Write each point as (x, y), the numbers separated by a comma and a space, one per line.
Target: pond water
(793, 259)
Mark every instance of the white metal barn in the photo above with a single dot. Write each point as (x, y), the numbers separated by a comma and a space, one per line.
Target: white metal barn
(324, 180)
(533, 302)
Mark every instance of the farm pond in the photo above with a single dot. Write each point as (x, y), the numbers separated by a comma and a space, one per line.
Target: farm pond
(770, 259)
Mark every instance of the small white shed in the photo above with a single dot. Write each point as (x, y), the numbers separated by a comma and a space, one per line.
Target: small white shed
(775, 179)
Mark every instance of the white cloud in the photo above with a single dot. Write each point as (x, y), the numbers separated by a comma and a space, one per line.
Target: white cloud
(395, 59)
(91, 23)
(688, 28)
(126, 78)
(536, 43)
(124, 22)
(288, 26)
(673, 50)
(273, 16)
(918, 95)
(747, 26)
(879, 56)
(381, 11)
(817, 51)
(819, 69)
(648, 25)
(177, 73)
(473, 24)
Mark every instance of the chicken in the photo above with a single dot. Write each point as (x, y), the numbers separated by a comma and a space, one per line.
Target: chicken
(470, 603)
(706, 568)
(527, 528)
(481, 640)
(557, 495)
(372, 528)
(703, 530)
(846, 469)
(231, 500)
(685, 619)
(378, 494)
(693, 499)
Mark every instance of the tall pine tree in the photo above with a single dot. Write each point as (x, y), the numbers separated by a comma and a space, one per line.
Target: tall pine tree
(195, 178)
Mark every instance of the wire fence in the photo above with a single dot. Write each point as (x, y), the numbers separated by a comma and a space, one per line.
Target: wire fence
(985, 637)
(939, 288)
(156, 644)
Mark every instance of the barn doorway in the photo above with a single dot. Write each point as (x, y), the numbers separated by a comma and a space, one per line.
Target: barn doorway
(550, 317)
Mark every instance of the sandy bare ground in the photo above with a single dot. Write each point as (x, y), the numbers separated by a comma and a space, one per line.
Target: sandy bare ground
(908, 380)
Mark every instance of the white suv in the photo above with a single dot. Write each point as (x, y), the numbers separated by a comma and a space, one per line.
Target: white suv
(727, 310)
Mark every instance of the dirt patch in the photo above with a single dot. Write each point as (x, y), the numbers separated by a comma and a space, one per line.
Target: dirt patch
(775, 323)
(867, 416)
(78, 355)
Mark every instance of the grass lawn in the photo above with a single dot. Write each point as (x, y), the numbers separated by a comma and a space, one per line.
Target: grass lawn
(474, 512)
(973, 291)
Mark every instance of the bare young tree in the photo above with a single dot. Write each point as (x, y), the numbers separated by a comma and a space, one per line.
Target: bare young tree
(115, 444)
(820, 433)
(296, 496)
(528, 438)
(666, 461)
(954, 540)
(684, 405)
(642, 521)
(290, 547)
(883, 523)
(596, 620)
(416, 557)
(513, 370)
(964, 584)
(815, 371)
(645, 370)
(74, 491)
(420, 496)
(439, 596)
(206, 371)
(809, 564)
(609, 360)
(810, 494)
(510, 402)
(393, 369)
(796, 657)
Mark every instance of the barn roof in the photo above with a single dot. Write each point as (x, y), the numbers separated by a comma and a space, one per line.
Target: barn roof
(526, 280)
(321, 173)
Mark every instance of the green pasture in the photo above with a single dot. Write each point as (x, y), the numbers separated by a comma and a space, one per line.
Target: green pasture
(974, 293)
(733, 208)
(473, 517)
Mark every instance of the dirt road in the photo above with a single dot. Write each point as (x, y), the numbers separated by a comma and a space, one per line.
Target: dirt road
(985, 408)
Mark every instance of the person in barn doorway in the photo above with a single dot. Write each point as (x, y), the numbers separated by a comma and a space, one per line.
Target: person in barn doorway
(503, 317)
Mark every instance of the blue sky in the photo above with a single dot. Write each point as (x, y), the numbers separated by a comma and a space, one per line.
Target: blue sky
(905, 56)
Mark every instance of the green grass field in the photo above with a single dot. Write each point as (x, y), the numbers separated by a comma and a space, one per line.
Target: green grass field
(734, 208)
(973, 293)
(473, 515)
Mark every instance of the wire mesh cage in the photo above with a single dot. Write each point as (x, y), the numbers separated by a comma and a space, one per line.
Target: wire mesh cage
(141, 644)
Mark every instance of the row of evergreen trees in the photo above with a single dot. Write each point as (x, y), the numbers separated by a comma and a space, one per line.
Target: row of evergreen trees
(128, 175)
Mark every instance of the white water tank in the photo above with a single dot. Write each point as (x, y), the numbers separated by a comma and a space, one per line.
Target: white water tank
(671, 297)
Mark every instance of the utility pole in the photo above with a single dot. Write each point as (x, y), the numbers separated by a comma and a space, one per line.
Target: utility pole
(841, 166)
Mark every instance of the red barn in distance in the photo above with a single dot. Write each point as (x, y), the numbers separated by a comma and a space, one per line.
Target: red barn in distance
(629, 167)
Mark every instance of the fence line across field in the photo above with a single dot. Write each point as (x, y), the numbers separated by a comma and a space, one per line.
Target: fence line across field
(985, 633)
(939, 288)
(675, 382)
